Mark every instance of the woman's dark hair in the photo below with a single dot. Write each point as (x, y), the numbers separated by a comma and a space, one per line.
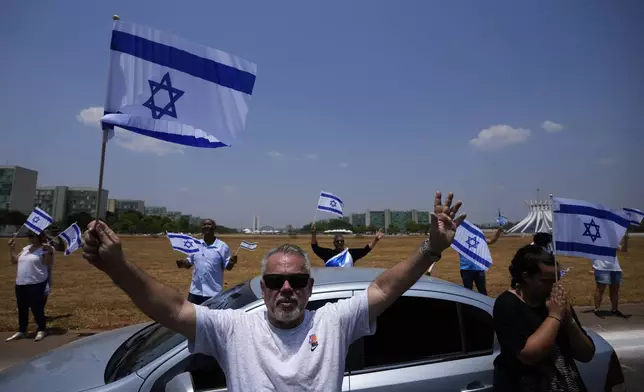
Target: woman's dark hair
(527, 259)
(542, 239)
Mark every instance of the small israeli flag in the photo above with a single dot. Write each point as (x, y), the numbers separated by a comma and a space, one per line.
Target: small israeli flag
(72, 238)
(633, 215)
(501, 220)
(470, 243)
(184, 243)
(330, 203)
(38, 221)
(248, 245)
(342, 259)
(168, 88)
(588, 230)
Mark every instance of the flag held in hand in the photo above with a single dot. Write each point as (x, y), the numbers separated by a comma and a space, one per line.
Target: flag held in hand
(73, 238)
(248, 245)
(634, 215)
(470, 243)
(330, 203)
(184, 243)
(38, 220)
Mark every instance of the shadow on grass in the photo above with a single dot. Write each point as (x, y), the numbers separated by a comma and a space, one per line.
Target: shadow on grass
(59, 317)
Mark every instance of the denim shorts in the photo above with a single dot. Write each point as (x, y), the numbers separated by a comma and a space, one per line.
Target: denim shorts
(608, 277)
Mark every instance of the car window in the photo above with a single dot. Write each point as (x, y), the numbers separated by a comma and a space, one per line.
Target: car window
(414, 329)
(478, 329)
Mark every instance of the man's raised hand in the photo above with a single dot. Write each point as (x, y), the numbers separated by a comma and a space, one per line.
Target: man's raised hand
(101, 246)
(443, 224)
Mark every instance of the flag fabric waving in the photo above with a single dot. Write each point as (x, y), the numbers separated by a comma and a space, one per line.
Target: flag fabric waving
(633, 215)
(342, 259)
(470, 243)
(330, 203)
(38, 221)
(72, 238)
(588, 230)
(168, 88)
(184, 243)
(248, 245)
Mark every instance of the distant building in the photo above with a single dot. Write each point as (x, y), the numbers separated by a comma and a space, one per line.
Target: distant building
(174, 215)
(52, 199)
(400, 220)
(17, 188)
(382, 219)
(62, 201)
(358, 219)
(255, 222)
(119, 206)
(156, 211)
(196, 221)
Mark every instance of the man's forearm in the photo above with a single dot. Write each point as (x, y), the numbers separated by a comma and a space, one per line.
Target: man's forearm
(156, 300)
(582, 347)
(373, 243)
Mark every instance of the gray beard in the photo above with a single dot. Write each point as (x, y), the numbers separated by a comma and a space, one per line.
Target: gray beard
(287, 316)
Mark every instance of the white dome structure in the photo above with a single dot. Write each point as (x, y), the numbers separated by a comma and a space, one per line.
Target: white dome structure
(539, 220)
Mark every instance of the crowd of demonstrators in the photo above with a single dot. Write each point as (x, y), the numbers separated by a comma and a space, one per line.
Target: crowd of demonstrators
(33, 271)
(272, 350)
(339, 255)
(609, 273)
(209, 264)
(473, 273)
(538, 330)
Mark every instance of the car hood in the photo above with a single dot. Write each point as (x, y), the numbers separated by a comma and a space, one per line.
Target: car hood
(76, 366)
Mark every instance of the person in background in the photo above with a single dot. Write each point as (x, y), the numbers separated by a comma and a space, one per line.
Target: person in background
(340, 256)
(31, 279)
(285, 347)
(538, 330)
(472, 273)
(608, 273)
(209, 263)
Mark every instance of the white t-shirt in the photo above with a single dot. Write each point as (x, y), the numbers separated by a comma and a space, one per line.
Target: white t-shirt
(31, 267)
(607, 265)
(256, 356)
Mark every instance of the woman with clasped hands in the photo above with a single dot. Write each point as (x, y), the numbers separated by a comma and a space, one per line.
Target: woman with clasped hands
(538, 330)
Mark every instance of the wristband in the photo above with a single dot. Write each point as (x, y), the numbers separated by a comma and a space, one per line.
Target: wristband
(558, 319)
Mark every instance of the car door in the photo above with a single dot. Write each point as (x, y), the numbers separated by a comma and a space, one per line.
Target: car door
(429, 341)
(206, 373)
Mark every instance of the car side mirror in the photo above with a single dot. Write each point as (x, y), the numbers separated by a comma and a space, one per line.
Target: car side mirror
(180, 383)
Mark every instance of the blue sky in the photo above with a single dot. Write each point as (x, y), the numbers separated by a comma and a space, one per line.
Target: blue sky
(379, 102)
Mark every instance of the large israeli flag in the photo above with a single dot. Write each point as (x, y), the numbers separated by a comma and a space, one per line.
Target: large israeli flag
(586, 229)
(72, 237)
(470, 243)
(330, 203)
(38, 220)
(168, 88)
(342, 259)
(184, 243)
(634, 216)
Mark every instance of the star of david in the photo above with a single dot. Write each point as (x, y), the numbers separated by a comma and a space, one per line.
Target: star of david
(333, 203)
(472, 242)
(595, 226)
(173, 93)
(187, 244)
(36, 219)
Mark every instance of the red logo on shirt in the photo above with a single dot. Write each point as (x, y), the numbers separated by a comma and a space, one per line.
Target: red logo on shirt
(313, 341)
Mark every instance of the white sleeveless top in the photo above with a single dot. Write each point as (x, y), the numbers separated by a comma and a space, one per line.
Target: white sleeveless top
(31, 267)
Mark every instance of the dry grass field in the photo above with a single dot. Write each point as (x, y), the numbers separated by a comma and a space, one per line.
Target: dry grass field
(84, 298)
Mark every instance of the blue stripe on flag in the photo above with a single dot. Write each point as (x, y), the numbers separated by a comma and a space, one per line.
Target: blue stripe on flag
(33, 228)
(473, 230)
(184, 237)
(472, 255)
(183, 61)
(594, 212)
(330, 196)
(44, 216)
(186, 140)
(585, 248)
(184, 250)
(633, 210)
(66, 238)
(330, 210)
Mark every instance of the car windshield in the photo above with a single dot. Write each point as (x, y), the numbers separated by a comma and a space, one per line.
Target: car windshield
(155, 340)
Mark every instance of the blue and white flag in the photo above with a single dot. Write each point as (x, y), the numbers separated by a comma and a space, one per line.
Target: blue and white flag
(633, 215)
(38, 221)
(586, 229)
(501, 220)
(342, 259)
(330, 203)
(168, 88)
(72, 237)
(248, 245)
(470, 243)
(184, 243)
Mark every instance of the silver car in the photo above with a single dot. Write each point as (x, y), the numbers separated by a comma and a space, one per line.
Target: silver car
(438, 336)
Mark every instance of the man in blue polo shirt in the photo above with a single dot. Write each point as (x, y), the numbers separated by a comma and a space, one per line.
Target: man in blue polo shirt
(211, 260)
(472, 273)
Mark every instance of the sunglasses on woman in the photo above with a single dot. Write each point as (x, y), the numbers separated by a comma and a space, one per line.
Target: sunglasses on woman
(276, 281)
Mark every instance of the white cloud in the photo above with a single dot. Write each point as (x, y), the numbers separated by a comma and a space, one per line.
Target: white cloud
(274, 154)
(551, 126)
(499, 136)
(606, 161)
(126, 139)
(343, 164)
(310, 156)
(229, 188)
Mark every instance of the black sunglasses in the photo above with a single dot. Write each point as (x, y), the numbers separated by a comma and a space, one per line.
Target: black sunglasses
(339, 241)
(296, 281)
